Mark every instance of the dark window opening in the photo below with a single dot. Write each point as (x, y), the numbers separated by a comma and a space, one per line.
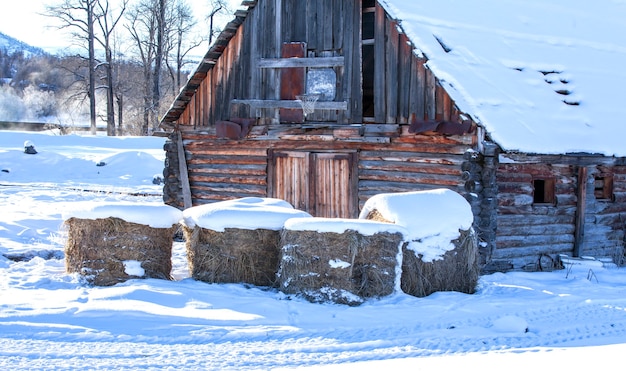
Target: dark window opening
(543, 191)
(603, 187)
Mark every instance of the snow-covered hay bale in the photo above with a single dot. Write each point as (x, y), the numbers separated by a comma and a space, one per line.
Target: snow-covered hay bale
(109, 244)
(441, 253)
(340, 260)
(236, 241)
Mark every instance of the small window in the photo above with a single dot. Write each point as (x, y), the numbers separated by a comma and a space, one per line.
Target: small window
(603, 187)
(543, 191)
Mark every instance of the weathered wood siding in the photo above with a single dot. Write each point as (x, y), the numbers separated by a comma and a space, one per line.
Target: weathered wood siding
(605, 219)
(243, 73)
(526, 230)
(530, 234)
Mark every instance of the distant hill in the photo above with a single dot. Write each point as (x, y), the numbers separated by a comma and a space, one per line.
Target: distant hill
(11, 45)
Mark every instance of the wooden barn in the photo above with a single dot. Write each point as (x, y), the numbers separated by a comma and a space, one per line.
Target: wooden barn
(403, 103)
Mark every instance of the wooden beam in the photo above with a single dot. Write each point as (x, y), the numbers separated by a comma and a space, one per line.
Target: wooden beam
(184, 175)
(274, 104)
(579, 233)
(301, 62)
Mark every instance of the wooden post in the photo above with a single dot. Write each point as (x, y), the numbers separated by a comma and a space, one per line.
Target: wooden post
(579, 232)
(184, 175)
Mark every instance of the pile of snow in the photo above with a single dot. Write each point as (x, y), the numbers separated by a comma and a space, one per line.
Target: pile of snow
(155, 216)
(334, 225)
(245, 213)
(432, 218)
(85, 162)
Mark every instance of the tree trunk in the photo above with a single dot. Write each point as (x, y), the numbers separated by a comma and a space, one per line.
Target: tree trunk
(92, 67)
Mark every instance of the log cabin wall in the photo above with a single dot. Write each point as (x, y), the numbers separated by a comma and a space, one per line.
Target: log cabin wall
(225, 169)
(551, 205)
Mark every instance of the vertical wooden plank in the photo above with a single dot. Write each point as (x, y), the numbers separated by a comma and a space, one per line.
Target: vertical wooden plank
(356, 97)
(420, 89)
(252, 34)
(404, 78)
(391, 80)
(184, 174)
(311, 22)
(292, 82)
(345, 73)
(447, 106)
(579, 232)
(299, 31)
(327, 34)
(439, 98)
(288, 21)
(429, 95)
(338, 22)
(380, 63)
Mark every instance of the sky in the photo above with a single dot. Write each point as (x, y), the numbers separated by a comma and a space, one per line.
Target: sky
(574, 318)
(28, 23)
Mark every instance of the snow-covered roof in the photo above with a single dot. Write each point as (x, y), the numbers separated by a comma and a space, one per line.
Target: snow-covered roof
(542, 76)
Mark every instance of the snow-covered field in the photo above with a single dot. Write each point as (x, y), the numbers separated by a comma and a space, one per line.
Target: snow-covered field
(574, 319)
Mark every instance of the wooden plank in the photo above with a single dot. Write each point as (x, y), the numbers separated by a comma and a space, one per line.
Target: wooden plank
(380, 63)
(328, 25)
(301, 62)
(312, 24)
(430, 101)
(292, 82)
(391, 78)
(439, 102)
(338, 23)
(355, 92)
(579, 234)
(404, 78)
(184, 175)
(275, 104)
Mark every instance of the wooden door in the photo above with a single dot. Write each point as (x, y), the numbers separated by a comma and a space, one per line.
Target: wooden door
(322, 184)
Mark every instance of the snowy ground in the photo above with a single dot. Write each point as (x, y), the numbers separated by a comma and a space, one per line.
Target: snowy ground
(573, 319)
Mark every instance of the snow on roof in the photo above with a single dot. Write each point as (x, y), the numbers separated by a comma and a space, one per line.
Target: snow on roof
(336, 225)
(155, 216)
(244, 213)
(432, 218)
(541, 76)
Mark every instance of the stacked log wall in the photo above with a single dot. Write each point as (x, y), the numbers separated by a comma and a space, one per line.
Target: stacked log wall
(526, 230)
(605, 219)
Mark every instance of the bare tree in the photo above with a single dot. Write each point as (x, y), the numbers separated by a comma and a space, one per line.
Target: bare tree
(182, 22)
(159, 54)
(142, 26)
(107, 23)
(217, 7)
(80, 16)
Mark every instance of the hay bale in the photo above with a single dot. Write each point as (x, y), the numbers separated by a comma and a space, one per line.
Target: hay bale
(441, 253)
(339, 260)
(111, 243)
(457, 270)
(233, 255)
(111, 250)
(236, 241)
